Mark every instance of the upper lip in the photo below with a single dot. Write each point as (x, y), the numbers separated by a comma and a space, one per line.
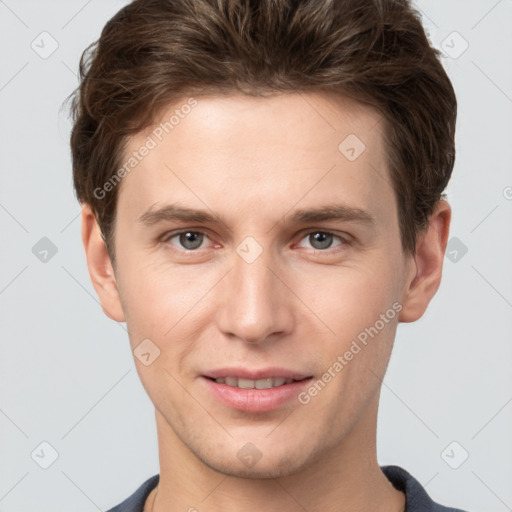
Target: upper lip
(256, 374)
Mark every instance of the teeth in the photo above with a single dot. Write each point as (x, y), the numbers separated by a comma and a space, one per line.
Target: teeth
(251, 384)
(246, 383)
(266, 383)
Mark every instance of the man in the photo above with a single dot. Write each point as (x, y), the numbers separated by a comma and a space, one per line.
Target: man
(262, 185)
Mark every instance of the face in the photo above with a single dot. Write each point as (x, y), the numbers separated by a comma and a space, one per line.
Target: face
(258, 240)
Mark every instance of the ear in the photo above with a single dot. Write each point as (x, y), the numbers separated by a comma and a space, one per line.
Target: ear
(100, 267)
(425, 277)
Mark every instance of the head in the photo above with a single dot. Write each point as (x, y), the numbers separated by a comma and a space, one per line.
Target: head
(313, 140)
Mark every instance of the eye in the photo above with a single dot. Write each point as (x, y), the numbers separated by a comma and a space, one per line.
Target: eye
(321, 240)
(192, 240)
(189, 240)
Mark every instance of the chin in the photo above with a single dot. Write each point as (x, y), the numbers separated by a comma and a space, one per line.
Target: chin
(260, 470)
(273, 461)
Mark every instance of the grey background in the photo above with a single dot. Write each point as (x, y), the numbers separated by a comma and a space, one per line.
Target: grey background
(66, 373)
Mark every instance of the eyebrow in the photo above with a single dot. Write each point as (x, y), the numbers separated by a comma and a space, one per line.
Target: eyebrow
(174, 212)
(332, 212)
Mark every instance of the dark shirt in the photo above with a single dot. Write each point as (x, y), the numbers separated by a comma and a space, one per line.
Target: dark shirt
(417, 498)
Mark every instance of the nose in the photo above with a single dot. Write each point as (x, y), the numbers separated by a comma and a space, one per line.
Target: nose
(257, 304)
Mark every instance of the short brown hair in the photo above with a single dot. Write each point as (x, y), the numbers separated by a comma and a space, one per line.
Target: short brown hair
(153, 52)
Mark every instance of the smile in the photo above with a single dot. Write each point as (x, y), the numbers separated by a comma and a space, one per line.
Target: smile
(254, 395)
(242, 383)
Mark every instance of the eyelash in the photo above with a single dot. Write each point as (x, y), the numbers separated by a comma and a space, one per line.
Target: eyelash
(344, 241)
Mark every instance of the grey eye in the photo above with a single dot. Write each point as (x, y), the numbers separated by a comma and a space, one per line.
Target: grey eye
(191, 240)
(321, 239)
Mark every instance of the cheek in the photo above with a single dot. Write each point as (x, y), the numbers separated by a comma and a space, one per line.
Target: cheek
(170, 307)
(155, 298)
(353, 305)
(159, 304)
(355, 298)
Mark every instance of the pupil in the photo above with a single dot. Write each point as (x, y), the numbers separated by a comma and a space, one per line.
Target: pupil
(323, 239)
(190, 240)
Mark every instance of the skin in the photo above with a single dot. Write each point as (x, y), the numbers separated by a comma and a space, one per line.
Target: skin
(299, 305)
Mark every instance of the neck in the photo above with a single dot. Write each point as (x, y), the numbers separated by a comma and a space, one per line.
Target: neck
(345, 477)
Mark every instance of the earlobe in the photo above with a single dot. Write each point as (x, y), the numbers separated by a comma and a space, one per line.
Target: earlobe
(424, 282)
(100, 267)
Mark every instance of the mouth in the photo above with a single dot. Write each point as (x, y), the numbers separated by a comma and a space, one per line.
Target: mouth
(255, 395)
(243, 383)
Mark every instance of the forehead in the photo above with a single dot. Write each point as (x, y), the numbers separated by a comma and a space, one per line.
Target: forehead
(238, 151)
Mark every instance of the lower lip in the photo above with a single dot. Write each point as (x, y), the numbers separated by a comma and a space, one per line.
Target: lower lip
(255, 400)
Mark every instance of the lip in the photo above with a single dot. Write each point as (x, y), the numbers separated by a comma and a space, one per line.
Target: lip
(254, 400)
(263, 373)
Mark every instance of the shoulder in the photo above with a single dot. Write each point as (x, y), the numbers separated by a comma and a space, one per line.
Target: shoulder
(135, 502)
(417, 498)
